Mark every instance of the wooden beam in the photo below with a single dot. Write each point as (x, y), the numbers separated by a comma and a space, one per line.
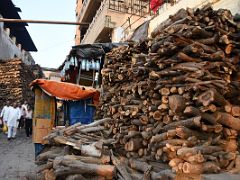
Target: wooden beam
(42, 22)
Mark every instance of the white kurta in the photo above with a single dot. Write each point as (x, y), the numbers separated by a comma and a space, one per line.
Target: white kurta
(5, 113)
(14, 115)
(20, 112)
(23, 109)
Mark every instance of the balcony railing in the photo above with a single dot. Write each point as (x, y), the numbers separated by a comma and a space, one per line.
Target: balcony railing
(133, 7)
(136, 7)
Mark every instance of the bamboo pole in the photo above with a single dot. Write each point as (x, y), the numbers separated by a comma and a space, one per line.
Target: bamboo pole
(42, 22)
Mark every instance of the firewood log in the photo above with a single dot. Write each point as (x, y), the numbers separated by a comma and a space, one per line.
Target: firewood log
(165, 174)
(228, 120)
(133, 144)
(120, 167)
(140, 166)
(202, 149)
(78, 167)
(92, 160)
(75, 177)
(212, 96)
(176, 103)
(196, 112)
(195, 121)
(207, 167)
(185, 133)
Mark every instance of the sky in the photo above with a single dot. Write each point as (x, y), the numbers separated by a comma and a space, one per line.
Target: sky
(52, 41)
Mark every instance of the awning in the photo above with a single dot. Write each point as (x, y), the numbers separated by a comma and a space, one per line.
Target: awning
(66, 91)
(91, 51)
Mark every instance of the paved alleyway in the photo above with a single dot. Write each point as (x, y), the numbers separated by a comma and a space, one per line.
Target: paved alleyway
(16, 157)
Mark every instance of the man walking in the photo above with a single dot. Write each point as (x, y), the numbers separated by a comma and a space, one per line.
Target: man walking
(20, 112)
(5, 113)
(23, 114)
(14, 116)
(28, 121)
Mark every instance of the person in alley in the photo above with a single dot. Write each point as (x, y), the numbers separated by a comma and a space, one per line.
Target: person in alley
(12, 122)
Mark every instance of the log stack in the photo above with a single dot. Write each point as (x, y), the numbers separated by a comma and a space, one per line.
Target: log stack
(76, 152)
(170, 105)
(175, 97)
(15, 77)
(85, 152)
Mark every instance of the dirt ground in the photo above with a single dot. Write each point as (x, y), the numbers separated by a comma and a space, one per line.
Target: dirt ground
(16, 156)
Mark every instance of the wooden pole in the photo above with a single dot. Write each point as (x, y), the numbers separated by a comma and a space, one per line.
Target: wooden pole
(42, 22)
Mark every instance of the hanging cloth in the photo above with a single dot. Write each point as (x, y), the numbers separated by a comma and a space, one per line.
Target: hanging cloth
(155, 4)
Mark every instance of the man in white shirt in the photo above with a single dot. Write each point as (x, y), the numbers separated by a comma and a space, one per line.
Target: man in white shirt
(23, 114)
(5, 113)
(28, 121)
(20, 112)
(14, 116)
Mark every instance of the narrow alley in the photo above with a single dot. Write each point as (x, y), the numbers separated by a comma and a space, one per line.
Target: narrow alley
(16, 156)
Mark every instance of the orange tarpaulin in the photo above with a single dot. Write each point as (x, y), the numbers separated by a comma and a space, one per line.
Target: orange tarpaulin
(66, 91)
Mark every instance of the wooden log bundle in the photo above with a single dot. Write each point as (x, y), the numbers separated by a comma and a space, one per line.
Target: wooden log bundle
(15, 77)
(79, 151)
(174, 98)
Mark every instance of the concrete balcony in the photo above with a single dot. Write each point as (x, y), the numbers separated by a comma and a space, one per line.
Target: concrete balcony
(107, 18)
(88, 10)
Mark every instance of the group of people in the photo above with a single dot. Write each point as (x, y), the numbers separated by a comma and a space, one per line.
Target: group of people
(17, 116)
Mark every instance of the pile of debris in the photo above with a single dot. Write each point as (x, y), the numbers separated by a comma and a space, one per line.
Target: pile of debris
(173, 109)
(179, 103)
(15, 77)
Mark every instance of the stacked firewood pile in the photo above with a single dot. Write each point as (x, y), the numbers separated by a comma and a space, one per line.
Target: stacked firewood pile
(15, 77)
(179, 103)
(76, 152)
(170, 105)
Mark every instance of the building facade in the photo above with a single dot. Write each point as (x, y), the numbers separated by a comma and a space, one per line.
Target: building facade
(15, 41)
(51, 74)
(108, 20)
